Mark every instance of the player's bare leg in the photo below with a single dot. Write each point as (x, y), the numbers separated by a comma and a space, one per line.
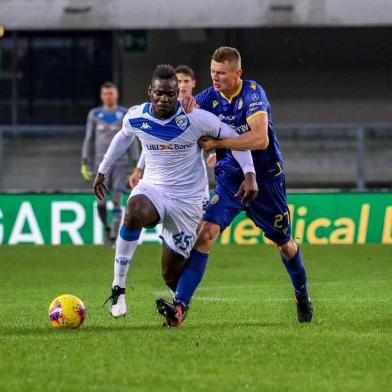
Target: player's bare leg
(172, 266)
(292, 259)
(207, 236)
(190, 276)
(139, 212)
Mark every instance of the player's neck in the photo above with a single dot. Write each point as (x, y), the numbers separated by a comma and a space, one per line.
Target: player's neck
(110, 108)
(230, 93)
(163, 117)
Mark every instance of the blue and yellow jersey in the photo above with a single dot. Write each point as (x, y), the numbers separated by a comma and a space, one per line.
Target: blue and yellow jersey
(247, 102)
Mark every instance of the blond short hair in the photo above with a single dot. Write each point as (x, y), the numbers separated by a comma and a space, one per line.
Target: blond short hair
(226, 53)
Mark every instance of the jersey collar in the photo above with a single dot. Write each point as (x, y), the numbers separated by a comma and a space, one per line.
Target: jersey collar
(236, 92)
(109, 111)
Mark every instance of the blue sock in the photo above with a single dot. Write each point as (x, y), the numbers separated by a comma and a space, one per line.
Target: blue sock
(296, 269)
(190, 277)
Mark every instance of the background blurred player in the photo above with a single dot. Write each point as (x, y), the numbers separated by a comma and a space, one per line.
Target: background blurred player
(186, 84)
(103, 123)
(173, 185)
(243, 105)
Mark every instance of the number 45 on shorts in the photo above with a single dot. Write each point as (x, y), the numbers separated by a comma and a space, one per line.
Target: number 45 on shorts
(182, 241)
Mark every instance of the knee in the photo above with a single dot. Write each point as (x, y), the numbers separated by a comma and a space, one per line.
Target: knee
(133, 220)
(289, 249)
(116, 199)
(208, 234)
(139, 212)
(134, 217)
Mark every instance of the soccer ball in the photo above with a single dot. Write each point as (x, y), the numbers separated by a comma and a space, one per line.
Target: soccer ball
(67, 311)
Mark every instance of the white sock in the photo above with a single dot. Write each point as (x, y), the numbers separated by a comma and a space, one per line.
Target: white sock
(122, 261)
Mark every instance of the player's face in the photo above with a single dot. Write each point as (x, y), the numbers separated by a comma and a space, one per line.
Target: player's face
(186, 85)
(225, 76)
(163, 94)
(109, 96)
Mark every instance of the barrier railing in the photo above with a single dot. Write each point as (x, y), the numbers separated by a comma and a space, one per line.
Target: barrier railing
(316, 155)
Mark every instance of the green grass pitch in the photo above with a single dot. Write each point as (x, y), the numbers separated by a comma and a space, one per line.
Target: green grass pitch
(241, 332)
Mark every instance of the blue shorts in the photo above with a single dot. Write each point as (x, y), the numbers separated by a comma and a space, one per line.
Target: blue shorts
(269, 211)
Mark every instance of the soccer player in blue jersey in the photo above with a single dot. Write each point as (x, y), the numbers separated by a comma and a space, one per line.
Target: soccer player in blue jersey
(243, 105)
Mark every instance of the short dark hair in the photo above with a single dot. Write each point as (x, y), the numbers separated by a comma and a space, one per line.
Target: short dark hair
(108, 85)
(226, 53)
(164, 71)
(186, 70)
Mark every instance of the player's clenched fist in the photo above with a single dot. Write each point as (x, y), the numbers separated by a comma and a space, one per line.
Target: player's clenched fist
(135, 177)
(208, 143)
(248, 189)
(99, 186)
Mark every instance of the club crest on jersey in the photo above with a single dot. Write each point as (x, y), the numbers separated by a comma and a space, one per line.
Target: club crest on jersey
(214, 199)
(119, 114)
(240, 104)
(255, 97)
(215, 104)
(182, 121)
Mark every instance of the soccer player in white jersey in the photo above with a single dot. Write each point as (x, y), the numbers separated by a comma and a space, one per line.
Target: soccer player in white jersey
(186, 84)
(172, 188)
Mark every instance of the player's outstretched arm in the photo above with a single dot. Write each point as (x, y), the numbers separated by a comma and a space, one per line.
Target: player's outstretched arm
(189, 103)
(208, 124)
(244, 158)
(255, 139)
(118, 146)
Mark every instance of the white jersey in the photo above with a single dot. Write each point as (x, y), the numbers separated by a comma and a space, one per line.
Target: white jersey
(173, 157)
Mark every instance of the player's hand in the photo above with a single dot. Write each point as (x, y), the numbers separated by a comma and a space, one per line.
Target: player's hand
(248, 189)
(189, 103)
(86, 174)
(135, 177)
(99, 186)
(208, 143)
(211, 160)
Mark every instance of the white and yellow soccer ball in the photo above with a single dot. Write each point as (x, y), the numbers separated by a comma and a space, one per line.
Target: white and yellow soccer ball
(67, 311)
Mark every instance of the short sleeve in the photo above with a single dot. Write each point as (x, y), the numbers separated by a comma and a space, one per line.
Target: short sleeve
(257, 102)
(206, 123)
(202, 99)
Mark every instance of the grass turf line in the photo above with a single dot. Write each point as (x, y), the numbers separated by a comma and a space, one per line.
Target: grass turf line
(241, 333)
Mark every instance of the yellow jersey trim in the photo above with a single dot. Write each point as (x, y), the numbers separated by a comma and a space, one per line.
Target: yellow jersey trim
(256, 114)
(236, 92)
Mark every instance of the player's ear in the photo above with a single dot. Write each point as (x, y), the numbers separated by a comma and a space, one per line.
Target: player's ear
(239, 72)
(149, 91)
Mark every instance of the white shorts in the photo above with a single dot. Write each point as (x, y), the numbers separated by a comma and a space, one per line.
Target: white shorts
(179, 218)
